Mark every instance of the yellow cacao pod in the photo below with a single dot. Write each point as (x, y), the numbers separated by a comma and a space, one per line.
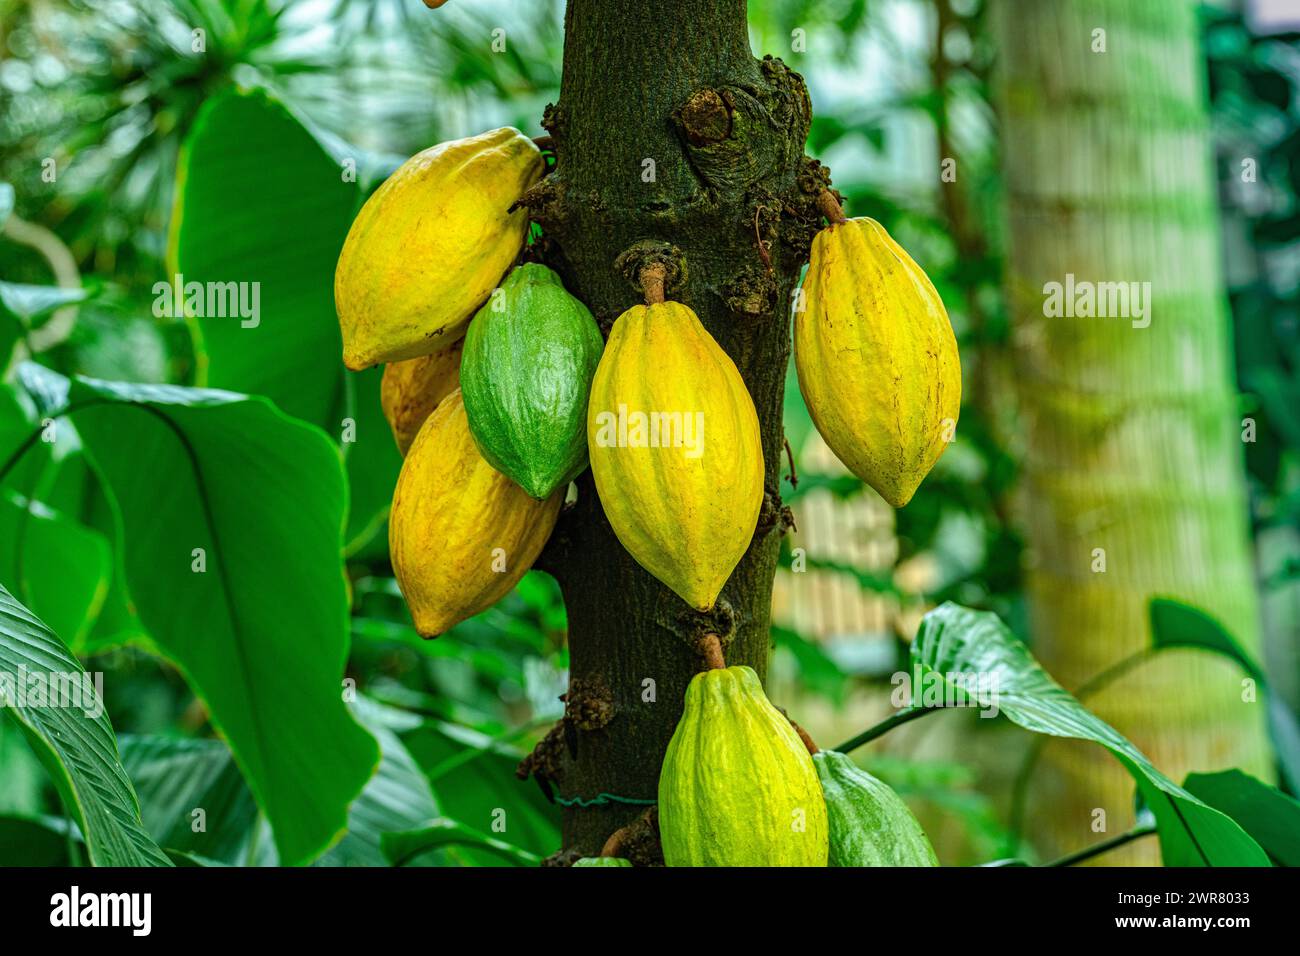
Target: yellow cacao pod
(877, 358)
(737, 786)
(460, 533)
(411, 389)
(429, 246)
(675, 449)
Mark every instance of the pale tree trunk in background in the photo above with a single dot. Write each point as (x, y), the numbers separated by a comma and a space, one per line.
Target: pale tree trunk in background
(1132, 436)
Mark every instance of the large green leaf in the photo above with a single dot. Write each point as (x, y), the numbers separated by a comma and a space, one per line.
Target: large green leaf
(259, 627)
(61, 569)
(955, 641)
(260, 201)
(263, 201)
(75, 742)
(175, 777)
(1266, 813)
(1175, 624)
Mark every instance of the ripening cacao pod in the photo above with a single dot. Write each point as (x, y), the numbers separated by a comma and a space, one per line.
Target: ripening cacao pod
(461, 534)
(430, 244)
(876, 357)
(602, 861)
(530, 353)
(870, 825)
(675, 449)
(412, 388)
(737, 786)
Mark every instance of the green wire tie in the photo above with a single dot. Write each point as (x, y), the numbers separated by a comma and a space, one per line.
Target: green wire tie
(601, 799)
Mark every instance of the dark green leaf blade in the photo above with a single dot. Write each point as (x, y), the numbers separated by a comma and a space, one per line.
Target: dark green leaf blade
(175, 777)
(262, 200)
(231, 545)
(955, 640)
(63, 568)
(77, 748)
(1270, 816)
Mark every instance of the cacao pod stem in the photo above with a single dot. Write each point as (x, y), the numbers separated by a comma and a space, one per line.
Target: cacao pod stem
(710, 649)
(830, 208)
(615, 842)
(652, 282)
(804, 736)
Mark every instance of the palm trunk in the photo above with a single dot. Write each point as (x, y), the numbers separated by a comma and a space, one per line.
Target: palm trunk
(673, 83)
(1133, 452)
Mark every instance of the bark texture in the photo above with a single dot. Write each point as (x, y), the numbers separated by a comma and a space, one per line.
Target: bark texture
(1133, 435)
(673, 143)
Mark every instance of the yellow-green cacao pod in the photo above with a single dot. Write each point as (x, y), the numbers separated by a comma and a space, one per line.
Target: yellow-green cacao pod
(675, 449)
(430, 245)
(602, 861)
(460, 533)
(870, 825)
(877, 358)
(411, 389)
(530, 354)
(737, 786)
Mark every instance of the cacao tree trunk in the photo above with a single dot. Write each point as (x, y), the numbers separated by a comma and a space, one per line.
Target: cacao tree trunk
(1133, 475)
(674, 144)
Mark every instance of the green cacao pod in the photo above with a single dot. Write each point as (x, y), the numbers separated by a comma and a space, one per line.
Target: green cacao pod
(870, 825)
(460, 533)
(675, 450)
(530, 353)
(737, 786)
(411, 389)
(430, 244)
(876, 357)
(602, 861)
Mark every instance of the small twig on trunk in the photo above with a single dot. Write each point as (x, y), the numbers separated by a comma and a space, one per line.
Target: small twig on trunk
(544, 142)
(830, 207)
(789, 454)
(652, 282)
(762, 246)
(710, 648)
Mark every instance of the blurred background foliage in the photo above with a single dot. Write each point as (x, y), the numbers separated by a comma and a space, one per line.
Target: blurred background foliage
(105, 94)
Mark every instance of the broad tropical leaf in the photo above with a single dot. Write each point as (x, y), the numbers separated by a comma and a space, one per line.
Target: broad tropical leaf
(74, 739)
(955, 640)
(231, 546)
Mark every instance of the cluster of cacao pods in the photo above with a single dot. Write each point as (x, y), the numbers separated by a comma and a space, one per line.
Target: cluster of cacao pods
(500, 390)
(739, 787)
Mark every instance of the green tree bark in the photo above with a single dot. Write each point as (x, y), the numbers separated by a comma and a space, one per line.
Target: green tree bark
(673, 142)
(1133, 449)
